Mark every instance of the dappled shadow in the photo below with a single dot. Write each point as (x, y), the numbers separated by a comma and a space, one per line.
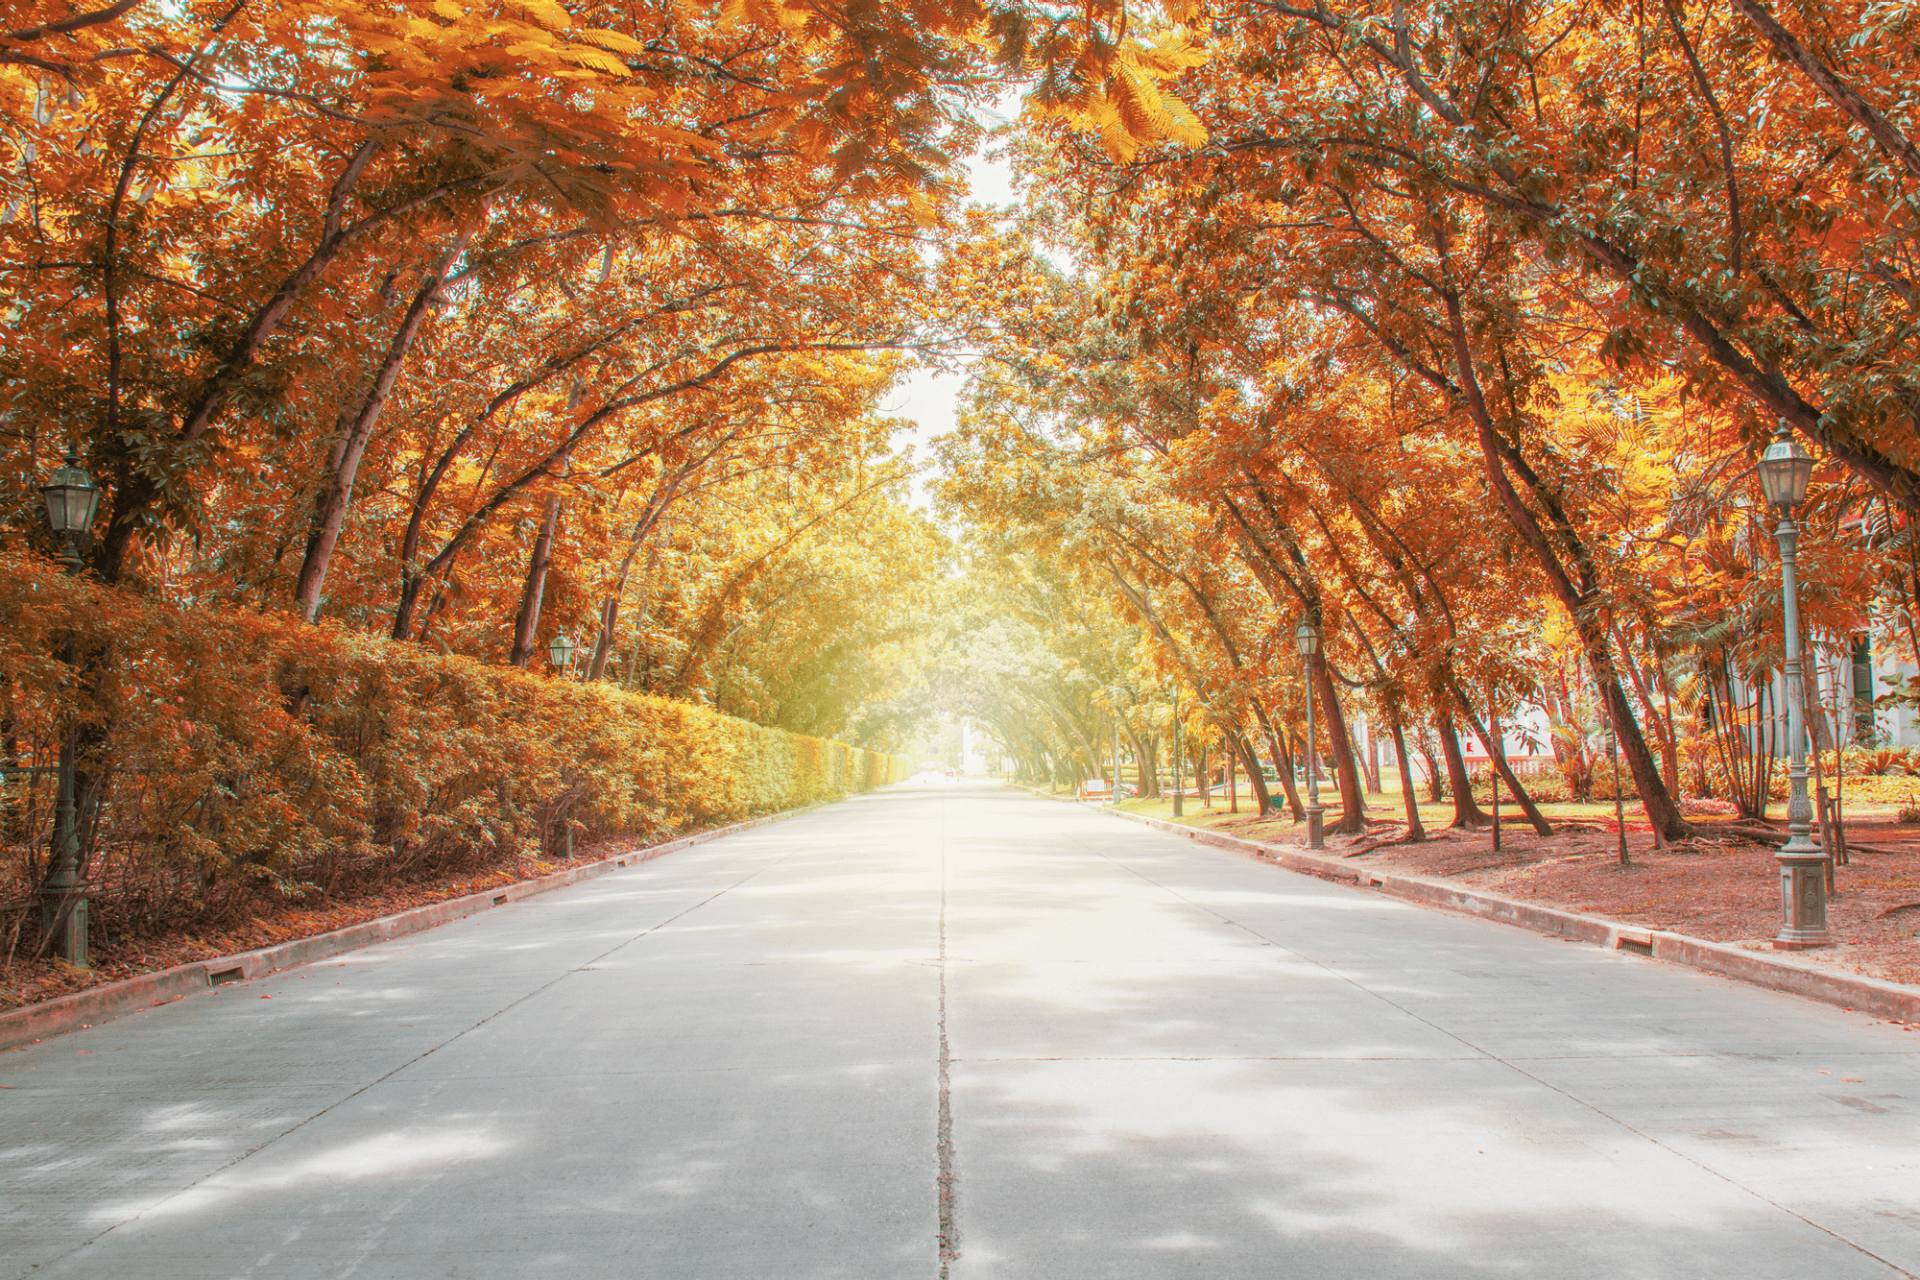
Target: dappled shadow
(1224, 1170)
(1167, 1061)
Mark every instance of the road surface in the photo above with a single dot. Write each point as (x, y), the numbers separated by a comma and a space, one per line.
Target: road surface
(953, 1030)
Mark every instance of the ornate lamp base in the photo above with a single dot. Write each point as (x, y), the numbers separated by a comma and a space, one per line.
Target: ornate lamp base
(1316, 827)
(70, 935)
(1803, 902)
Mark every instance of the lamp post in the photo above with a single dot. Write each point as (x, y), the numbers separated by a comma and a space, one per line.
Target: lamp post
(71, 503)
(1179, 783)
(1114, 793)
(1306, 638)
(1785, 469)
(560, 651)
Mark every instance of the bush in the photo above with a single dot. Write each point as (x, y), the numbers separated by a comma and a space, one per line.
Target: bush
(1542, 787)
(1882, 763)
(233, 753)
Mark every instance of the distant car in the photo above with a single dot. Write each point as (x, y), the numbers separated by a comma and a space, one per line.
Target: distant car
(953, 773)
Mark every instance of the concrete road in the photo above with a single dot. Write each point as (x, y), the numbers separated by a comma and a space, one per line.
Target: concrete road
(955, 1031)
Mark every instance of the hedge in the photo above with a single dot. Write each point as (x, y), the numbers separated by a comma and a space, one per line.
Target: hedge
(230, 750)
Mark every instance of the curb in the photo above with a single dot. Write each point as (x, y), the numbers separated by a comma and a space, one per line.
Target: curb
(1850, 991)
(84, 1009)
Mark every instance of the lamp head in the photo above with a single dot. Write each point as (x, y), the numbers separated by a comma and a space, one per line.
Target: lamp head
(1306, 638)
(1785, 469)
(71, 498)
(561, 650)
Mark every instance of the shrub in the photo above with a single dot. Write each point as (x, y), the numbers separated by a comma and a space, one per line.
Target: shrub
(234, 753)
(1878, 764)
(1543, 787)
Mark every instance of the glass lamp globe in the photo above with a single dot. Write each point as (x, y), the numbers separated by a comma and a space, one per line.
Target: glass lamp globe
(1785, 469)
(71, 497)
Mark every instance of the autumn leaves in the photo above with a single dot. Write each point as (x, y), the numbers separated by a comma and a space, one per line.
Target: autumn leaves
(425, 317)
(1455, 338)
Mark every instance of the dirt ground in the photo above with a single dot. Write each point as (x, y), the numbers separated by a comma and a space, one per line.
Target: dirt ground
(1719, 886)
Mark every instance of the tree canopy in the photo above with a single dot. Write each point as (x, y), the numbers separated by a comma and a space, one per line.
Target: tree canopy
(1451, 329)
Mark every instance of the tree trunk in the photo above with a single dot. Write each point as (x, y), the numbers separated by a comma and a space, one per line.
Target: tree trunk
(1497, 755)
(1148, 758)
(1256, 780)
(1353, 815)
(602, 647)
(1415, 832)
(1466, 810)
(343, 464)
(527, 624)
(1662, 728)
(1370, 760)
(1282, 764)
(1576, 587)
(1436, 789)
(642, 530)
(410, 589)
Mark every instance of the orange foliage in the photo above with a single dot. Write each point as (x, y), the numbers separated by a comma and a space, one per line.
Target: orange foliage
(262, 757)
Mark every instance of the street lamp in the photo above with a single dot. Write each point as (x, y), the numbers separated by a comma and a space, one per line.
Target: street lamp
(1785, 469)
(71, 503)
(561, 652)
(1179, 783)
(1306, 638)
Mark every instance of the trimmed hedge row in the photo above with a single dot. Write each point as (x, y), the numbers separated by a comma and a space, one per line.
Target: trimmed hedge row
(231, 747)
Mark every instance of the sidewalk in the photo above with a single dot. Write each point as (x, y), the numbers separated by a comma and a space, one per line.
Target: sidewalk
(1713, 906)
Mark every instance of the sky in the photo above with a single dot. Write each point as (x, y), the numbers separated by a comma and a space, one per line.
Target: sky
(927, 397)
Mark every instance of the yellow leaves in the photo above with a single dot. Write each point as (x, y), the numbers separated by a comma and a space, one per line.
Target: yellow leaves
(1133, 112)
(597, 59)
(534, 50)
(547, 13)
(678, 137)
(1130, 110)
(769, 15)
(773, 124)
(611, 40)
(449, 10)
(1167, 58)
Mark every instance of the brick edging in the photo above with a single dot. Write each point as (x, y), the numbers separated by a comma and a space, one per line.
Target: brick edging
(62, 1014)
(1764, 969)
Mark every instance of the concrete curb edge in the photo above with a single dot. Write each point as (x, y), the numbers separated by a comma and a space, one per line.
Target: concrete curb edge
(1763, 969)
(30, 1023)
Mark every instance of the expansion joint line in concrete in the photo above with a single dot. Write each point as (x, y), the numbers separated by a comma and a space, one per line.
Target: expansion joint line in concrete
(427, 1053)
(943, 1129)
(1511, 1065)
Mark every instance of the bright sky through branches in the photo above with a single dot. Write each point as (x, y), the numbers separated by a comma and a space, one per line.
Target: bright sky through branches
(926, 398)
